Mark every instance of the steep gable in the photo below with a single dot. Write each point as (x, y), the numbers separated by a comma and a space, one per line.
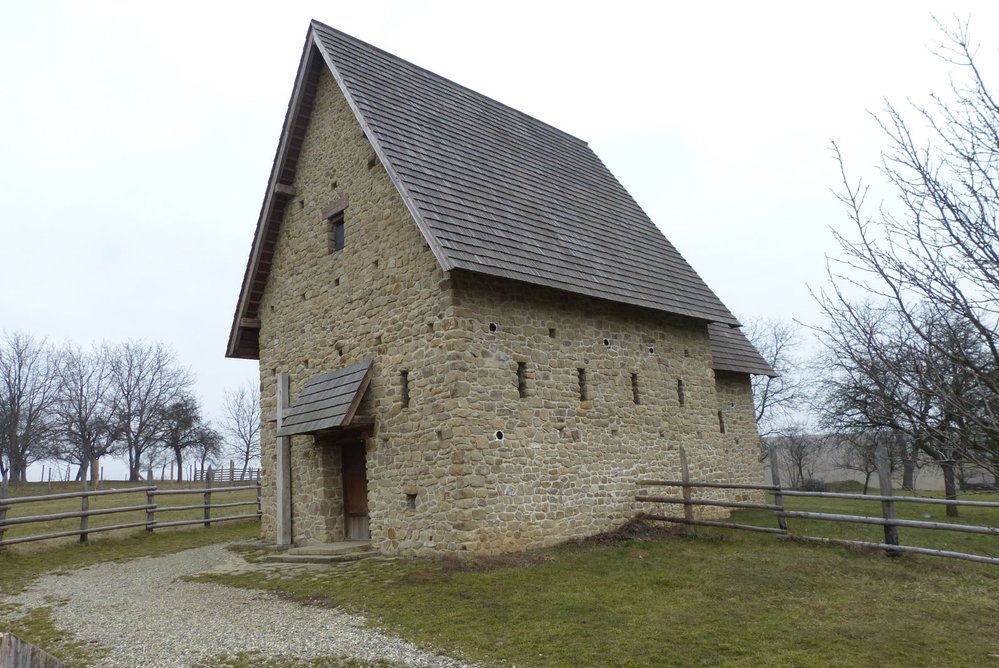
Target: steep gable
(493, 190)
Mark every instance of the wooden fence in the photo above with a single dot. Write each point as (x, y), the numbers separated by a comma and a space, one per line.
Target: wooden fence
(226, 474)
(150, 507)
(888, 520)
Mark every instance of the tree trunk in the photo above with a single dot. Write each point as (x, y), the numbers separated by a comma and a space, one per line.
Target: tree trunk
(180, 464)
(867, 481)
(950, 486)
(908, 474)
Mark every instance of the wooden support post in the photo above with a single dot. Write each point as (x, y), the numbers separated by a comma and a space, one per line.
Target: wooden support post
(260, 510)
(208, 497)
(688, 509)
(3, 508)
(887, 506)
(232, 471)
(778, 497)
(171, 470)
(84, 509)
(283, 468)
(150, 509)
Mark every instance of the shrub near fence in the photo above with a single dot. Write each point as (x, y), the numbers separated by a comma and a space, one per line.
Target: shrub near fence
(60, 515)
(889, 522)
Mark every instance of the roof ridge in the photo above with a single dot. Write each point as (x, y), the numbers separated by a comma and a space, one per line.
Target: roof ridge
(518, 112)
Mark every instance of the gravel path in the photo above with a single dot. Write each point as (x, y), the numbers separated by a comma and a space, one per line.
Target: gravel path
(149, 617)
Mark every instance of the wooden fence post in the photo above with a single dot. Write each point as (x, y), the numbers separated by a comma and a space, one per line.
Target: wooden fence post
(688, 509)
(84, 510)
(150, 508)
(208, 497)
(778, 497)
(3, 508)
(887, 506)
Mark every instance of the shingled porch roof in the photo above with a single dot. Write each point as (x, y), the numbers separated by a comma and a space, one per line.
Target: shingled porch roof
(493, 190)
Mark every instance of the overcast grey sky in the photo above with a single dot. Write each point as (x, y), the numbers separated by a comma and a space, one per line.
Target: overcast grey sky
(137, 137)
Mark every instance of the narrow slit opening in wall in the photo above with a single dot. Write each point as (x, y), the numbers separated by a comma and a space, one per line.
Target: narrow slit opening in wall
(721, 422)
(583, 393)
(411, 501)
(404, 382)
(551, 332)
(634, 388)
(522, 379)
(336, 231)
(679, 391)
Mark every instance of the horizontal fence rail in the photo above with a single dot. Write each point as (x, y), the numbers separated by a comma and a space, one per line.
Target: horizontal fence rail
(150, 508)
(888, 520)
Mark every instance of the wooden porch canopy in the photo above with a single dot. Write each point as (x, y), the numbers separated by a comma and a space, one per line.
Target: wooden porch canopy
(327, 401)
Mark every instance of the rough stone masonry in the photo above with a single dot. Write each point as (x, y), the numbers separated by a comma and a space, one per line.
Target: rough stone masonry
(506, 416)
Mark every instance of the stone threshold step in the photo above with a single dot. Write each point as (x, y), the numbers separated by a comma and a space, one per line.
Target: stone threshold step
(288, 558)
(331, 549)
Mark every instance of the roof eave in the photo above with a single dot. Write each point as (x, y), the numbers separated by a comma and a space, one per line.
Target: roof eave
(236, 347)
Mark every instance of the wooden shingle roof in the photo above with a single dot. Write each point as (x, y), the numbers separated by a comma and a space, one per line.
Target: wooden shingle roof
(328, 400)
(732, 351)
(493, 190)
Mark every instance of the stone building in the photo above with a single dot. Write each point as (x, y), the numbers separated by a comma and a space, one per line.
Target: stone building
(471, 338)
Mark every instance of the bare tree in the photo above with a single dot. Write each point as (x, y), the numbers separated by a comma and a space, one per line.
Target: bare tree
(146, 380)
(84, 410)
(777, 399)
(858, 451)
(207, 451)
(797, 454)
(878, 376)
(930, 257)
(28, 381)
(184, 430)
(241, 424)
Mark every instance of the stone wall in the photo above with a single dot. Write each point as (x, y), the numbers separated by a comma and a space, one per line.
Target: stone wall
(496, 449)
(532, 461)
(378, 297)
(743, 451)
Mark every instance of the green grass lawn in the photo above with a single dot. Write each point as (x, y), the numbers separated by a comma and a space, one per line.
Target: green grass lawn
(116, 501)
(710, 598)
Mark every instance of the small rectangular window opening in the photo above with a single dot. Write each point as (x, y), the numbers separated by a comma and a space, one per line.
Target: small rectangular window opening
(404, 378)
(335, 223)
(583, 393)
(679, 391)
(522, 379)
(721, 422)
(411, 501)
(634, 388)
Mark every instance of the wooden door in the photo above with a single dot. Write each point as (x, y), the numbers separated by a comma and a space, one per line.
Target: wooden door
(355, 491)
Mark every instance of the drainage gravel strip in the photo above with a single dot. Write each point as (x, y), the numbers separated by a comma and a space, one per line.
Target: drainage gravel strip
(147, 616)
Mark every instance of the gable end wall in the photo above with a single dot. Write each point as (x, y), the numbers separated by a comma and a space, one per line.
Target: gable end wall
(378, 298)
